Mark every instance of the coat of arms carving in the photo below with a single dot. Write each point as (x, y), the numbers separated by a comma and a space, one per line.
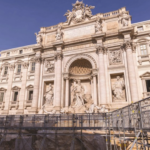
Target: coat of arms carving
(79, 12)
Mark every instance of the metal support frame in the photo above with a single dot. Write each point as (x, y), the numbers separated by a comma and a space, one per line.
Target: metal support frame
(124, 128)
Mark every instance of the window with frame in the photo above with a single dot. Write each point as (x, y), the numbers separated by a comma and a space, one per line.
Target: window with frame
(143, 49)
(148, 85)
(21, 52)
(6, 70)
(140, 28)
(8, 53)
(1, 96)
(30, 95)
(33, 66)
(15, 96)
(19, 68)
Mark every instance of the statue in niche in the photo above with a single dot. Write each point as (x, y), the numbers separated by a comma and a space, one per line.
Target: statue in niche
(117, 89)
(115, 57)
(49, 67)
(59, 33)
(78, 91)
(38, 38)
(49, 95)
(124, 18)
(98, 25)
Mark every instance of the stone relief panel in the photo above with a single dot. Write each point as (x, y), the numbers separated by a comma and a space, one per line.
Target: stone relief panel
(49, 66)
(118, 88)
(115, 57)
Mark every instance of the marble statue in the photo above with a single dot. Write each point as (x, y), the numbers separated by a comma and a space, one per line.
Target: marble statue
(38, 38)
(103, 109)
(69, 16)
(124, 18)
(49, 95)
(49, 67)
(79, 13)
(59, 33)
(98, 25)
(117, 89)
(88, 12)
(78, 91)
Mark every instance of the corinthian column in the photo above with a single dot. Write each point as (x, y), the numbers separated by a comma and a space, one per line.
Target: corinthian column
(131, 71)
(102, 77)
(23, 87)
(36, 82)
(58, 79)
(67, 92)
(9, 87)
(94, 89)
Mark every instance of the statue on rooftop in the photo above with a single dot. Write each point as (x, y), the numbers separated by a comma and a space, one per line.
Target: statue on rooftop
(59, 33)
(98, 25)
(124, 18)
(79, 13)
(38, 38)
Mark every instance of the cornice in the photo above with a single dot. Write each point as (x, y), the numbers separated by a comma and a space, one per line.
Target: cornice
(143, 33)
(58, 43)
(38, 48)
(16, 56)
(78, 41)
(112, 34)
(126, 30)
(18, 48)
(99, 35)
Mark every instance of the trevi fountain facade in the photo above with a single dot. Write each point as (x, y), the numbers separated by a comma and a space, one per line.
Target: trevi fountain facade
(88, 64)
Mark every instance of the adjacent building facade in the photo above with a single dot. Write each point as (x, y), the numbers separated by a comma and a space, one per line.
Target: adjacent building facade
(88, 64)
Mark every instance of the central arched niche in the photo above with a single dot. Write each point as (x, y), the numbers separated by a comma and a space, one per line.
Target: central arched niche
(80, 67)
(80, 72)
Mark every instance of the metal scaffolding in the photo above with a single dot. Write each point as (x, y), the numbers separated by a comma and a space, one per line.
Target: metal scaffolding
(123, 129)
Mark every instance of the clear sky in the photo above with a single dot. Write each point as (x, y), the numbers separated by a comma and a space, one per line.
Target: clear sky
(20, 19)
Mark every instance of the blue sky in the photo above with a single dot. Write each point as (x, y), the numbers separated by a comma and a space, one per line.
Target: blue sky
(20, 19)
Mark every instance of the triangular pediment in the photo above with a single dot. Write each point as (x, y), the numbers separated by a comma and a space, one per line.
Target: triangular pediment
(147, 74)
(2, 89)
(30, 86)
(16, 88)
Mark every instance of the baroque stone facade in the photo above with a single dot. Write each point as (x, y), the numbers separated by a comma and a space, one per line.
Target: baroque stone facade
(88, 64)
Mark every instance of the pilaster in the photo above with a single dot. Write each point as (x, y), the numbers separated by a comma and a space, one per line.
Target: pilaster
(58, 74)
(9, 87)
(37, 59)
(131, 70)
(23, 87)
